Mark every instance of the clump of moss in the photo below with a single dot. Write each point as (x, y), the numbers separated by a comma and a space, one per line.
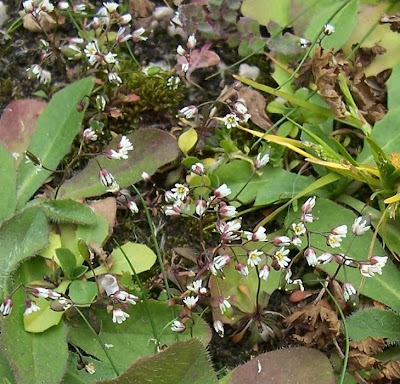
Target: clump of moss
(6, 88)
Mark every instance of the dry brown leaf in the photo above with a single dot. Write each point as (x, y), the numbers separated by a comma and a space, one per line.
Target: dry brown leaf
(47, 22)
(390, 371)
(256, 103)
(141, 8)
(370, 345)
(359, 360)
(393, 20)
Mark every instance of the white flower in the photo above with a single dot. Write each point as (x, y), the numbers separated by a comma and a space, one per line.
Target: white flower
(264, 272)
(90, 368)
(189, 112)
(146, 177)
(89, 134)
(125, 297)
(282, 241)
(227, 210)
(311, 257)
(125, 19)
(201, 207)
(190, 301)
(180, 50)
(360, 226)
(46, 6)
(377, 263)
(299, 229)
(219, 327)
(367, 270)
(28, 6)
(180, 191)
(178, 326)
(109, 284)
(124, 146)
(114, 78)
(231, 120)
(325, 258)
(6, 306)
(198, 169)
(281, 257)
(173, 82)
(304, 43)
(261, 161)
(119, 316)
(307, 218)
(224, 304)
(240, 107)
(133, 207)
(114, 188)
(30, 307)
(173, 210)
(299, 282)
(254, 257)
(259, 235)
(191, 43)
(348, 290)
(91, 49)
(228, 230)
(242, 269)
(249, 71)
(329, 29)
(340, 231)
(334, 241)
(100, 102)
(308, 205)
(110, 58)
(296, 241)
(137, 35)
(195, 287)
(221, 260)
(222, 191)
(111, 6)
(45, 293)
(185, 67)
(106, 178)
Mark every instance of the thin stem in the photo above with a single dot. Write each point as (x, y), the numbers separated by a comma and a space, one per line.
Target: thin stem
(145, 300)
(98, 338)
(258, 288)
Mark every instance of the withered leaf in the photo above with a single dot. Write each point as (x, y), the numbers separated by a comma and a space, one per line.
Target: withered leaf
(369, 345)
(359, 360)
(390, 371)
(140, 8)
(393, 20)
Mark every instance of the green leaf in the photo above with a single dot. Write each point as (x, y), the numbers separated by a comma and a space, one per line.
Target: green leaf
(153, 148)
(82, 292)
(273, 185)
(67, 261)
(20, 237)
(393, 86)
(5, 370)
(375, 323)
(94, 234)
(141, 257)
(69, 211)
(265, 10)
(181, 356)
(8, 191)
(133, 338)
(56, 129)
(384, 288)
(34, 358)
(187, 140)
(384, 135)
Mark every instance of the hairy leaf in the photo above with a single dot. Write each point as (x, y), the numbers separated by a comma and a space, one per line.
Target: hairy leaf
(69, 211)
(8, 190)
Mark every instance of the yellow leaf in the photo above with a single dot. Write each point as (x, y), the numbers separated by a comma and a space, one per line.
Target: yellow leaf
(187, 140)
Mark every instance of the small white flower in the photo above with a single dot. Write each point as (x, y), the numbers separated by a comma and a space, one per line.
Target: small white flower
(191, 43)
(367, 270)
(348, 290)
(281, 257)
(325, 258)
(201, 207)
(114, 188)
(178, 326)
(125, 19)
(180, 191)
(296, 241)
(220, 261)
(125, 297)
(311, 257)
(106, 178)
(133, 207)
(110, 58)
(227, 210)
(307, 218)
(28, 6)
(261, 161)
(79, 7)
(299, 229)
(195, 287)
(185, 67)
(254, 257)
(111, 7)
(190, 301)
(89, 134)
(229, 230)
(46, 6)
(249, 71)
(340, 231)
(90, 368)
(45, 293)
(173, 210)
(259, 235)
(264, 272)
(308, 205)
(299, 282)
(329, 29)
(119, 316)
(189, 112)
(114, 78)
(360, 226)
(137, 35)
(180, 50)
(304, 43)
(30, 307)
(240, 107)
(334, 241)
(6, 306)
(282, 241)
(146, 177)
(222, 191)
(124, 146)
(100, 102)
(242, 269)
(198, 169)
(91, 49)
(219, 327)
(231, 120)
(173, 82)
(377, 263)
(224, 304)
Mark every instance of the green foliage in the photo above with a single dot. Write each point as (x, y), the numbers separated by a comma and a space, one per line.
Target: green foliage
(133, 338)
(273, 185)
(375, 323)
(175, 365)
(153, 148)
(20, 237)
(384, 288)
(82, 292)
(393, 88)
(8, 199)
(56, 129)
(34, 358)
(265, 10)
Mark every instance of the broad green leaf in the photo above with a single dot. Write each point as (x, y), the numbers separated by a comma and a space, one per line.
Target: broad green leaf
(34, 358)
(17, 124)
(385, 288)
(306, 365)
(8, 191)
(140, 255)
(153, 148)
(56, 129)
(384, 135)
(67, 261)
(375, 323)
(94, 234)
(187, 140)
(50, 251)
(69, 211)
(190, 362)
(274, 184)
(82, 292)
(393, 86)
(265, 10)
(134, 337)
(5, 370)
(20, 237)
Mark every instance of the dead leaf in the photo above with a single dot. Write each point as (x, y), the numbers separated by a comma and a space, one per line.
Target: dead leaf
(47, 22)
(141, 8)
(393, 20)
(370, 345)
(359, 360)
(390, 371)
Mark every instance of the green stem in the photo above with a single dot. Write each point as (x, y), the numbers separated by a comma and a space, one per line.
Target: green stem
(98, 338)
(145, 300)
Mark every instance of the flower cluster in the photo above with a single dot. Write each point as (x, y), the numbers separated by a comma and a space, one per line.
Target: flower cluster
(184, 54)
(239, 114)
(122, 150)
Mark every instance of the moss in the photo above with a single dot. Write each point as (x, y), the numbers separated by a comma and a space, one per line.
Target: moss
(6, 89)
